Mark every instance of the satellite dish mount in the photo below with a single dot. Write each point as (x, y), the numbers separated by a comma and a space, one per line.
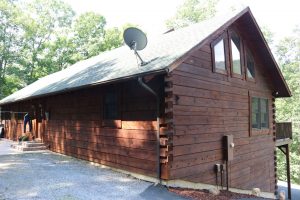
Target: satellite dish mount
(136, 40)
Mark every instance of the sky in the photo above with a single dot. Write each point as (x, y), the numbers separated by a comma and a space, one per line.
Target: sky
(280, 16)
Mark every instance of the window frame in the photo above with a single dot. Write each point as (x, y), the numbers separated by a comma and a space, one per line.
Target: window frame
(223, 37)
(247, 51)
(261, 130)
(111, 123)
(232, 31)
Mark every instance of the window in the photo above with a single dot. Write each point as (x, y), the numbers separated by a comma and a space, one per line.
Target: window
(111, 109)
(111, 106)
(260, 114)
(219, 56)
(264, 119)
(235, 44)
(250, 65)
(255, 113)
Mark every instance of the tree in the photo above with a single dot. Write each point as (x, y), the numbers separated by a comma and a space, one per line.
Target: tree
(9, 40)
(89, 35)
(40, 37)
(113, 38)
(61, 53)
(288, 109)
(192, 11)
(41, 20)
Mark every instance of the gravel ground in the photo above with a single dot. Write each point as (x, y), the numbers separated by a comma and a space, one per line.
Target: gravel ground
(46, 175)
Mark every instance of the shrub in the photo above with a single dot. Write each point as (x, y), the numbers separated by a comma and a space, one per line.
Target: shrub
(25, 138)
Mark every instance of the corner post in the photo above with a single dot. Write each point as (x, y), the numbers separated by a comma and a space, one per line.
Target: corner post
(288, 170)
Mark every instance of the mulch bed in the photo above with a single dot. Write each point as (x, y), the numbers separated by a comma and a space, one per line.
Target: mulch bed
(205, 195)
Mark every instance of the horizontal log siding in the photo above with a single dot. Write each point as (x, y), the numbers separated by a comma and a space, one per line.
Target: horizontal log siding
(75, 126)
(206, 107)
(75, 129)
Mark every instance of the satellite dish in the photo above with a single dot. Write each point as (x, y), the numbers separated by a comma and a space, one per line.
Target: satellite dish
(136, 40)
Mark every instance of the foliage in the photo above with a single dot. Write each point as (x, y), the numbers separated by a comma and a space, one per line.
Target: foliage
(41, 19)
(288, 109)
(192, 11)
(23, 138)
(40, 37)
(9, 40)
(89, 34)
(268, 34)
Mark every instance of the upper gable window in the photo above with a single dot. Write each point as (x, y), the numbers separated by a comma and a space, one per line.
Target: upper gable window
(219, 56)
(235, 44)
(250, 65)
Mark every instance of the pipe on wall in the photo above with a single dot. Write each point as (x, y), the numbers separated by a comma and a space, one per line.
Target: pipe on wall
(144, 85)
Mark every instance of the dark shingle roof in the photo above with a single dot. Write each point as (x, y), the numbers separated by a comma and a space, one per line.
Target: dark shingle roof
(121, 63)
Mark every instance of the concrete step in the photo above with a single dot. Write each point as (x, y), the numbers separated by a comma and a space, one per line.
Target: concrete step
(29, 146)
(22, 148)
(32, 144)
(38, 140)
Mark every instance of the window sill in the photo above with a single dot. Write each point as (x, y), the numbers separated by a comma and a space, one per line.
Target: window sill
(221, 71)
(250, 79)
(239, 76)
(109, 123)
(263, 131)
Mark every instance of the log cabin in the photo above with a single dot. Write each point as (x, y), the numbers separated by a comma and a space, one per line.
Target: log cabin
(201, 112)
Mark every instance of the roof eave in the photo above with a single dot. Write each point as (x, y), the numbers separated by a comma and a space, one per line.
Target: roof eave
(286, 93)
(156, 72)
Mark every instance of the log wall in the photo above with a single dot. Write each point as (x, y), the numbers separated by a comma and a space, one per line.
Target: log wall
(204, 106)
(75, 126)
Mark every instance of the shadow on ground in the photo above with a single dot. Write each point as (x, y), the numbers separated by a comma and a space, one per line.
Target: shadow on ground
(152, 191)
(50, 176)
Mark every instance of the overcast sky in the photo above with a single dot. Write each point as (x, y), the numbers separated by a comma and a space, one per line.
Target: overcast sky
(281, 16)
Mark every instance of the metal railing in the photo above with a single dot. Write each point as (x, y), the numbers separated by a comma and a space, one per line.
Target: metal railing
(284, 130)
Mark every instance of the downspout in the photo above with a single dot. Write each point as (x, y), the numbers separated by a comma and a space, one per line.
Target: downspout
(144, 85)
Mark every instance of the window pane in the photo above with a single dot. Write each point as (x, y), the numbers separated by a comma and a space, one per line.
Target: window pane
(111, 105)
(236, 55)
(250, 65)
(255, 113)
(219, 55)
(264, 113)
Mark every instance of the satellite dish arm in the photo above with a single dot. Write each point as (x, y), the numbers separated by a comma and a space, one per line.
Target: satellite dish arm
(133, 47)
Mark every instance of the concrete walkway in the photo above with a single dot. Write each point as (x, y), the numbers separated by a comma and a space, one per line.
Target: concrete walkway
(5, 147)
(46, 175)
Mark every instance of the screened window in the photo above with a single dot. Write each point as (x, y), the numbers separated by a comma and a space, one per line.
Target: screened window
(264, 113)
(219, 56)
(255, 113)
(111, 110)
(260, 117)
(250, 65)
(235, 43)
